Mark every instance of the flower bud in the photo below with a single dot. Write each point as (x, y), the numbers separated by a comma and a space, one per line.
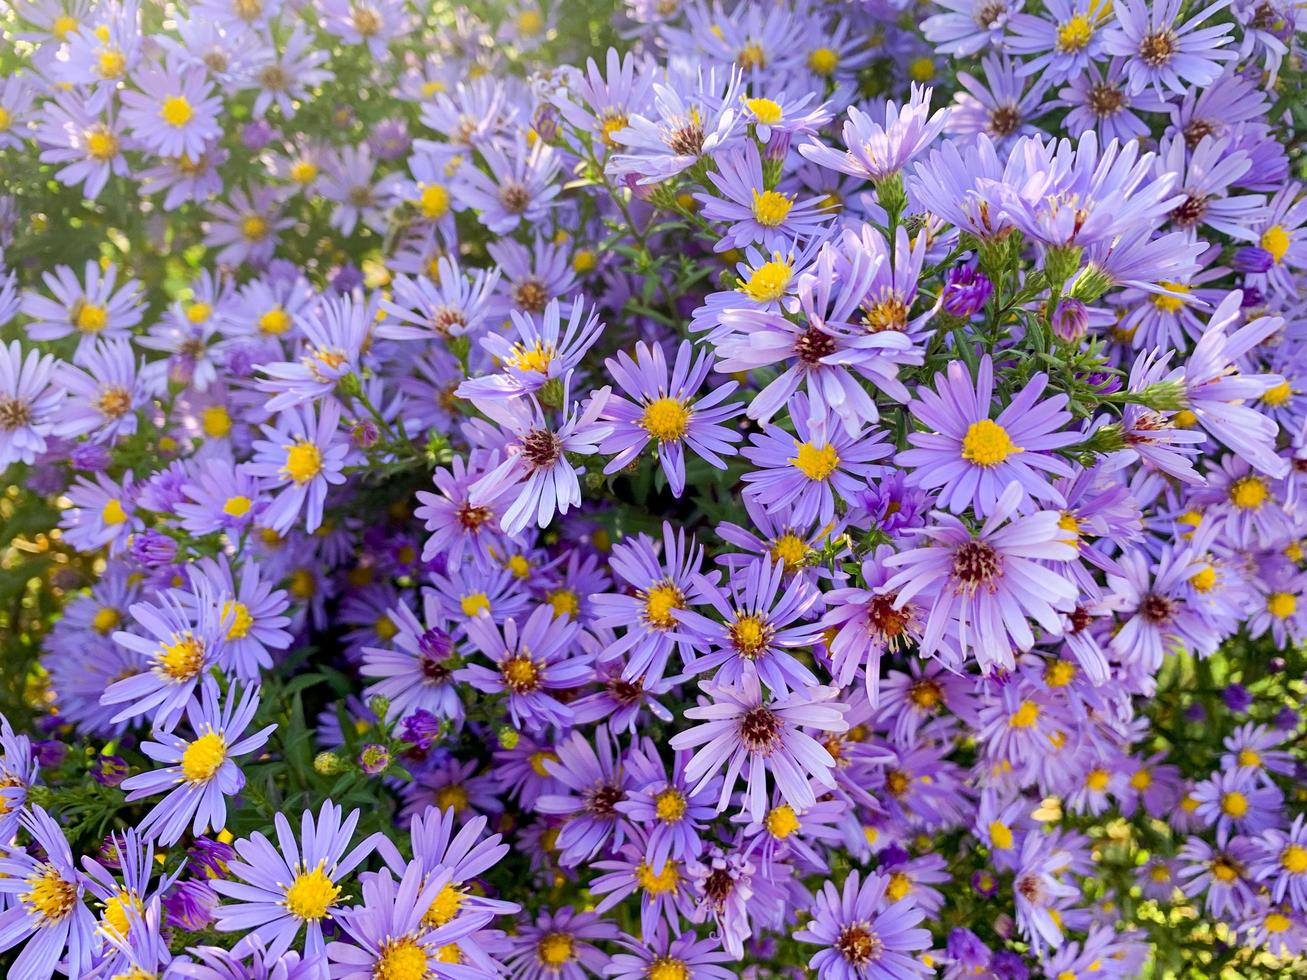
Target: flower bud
(1070, 320)
(966, 290)
(326, 764)
(1251, 259)
(508, 737)
(379, 705)
(374, 759)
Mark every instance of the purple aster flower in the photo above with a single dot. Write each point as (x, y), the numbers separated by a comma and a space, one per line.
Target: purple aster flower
(1281, 862)
(175, 111)
(1238, 801)
(247, 226)
(183, 640)
(453, 303)
(18, 773)
(102, 513)
(594, 782)
(546, 350)
(669, 812)
(666, 410)
(290, 74)
(418, 675)
(742, 730)
(755, 212)
(281, 890)
(105, 392)
(127, 898)
(664, 954)
(458, 527)
(801, 473)
(520, 187)
(88, 311)
(665, 895)
(252, 961)
(202, 764)
(529, 664)
(88, 146)
(1000, 105)
(303, 452)
(864, 934)
(1062, 43)
(537, 466)
(348, 180)
(190, 905)
(47, 910)
(876, 151)
(1099, 101)
(1220, 873)
(1159, 614)
(1038, 888)
(969, 26)
(28, 403)
(1163, 54)
(560, 946)
(336, 331)
(966, 290)
(984, 588)
(220, 498)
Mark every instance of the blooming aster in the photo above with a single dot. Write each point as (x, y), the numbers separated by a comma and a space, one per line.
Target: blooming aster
(863, 934)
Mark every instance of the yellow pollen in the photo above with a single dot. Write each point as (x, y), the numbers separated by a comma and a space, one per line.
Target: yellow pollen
(536, 358)
(782, 821)
(311, 894)
(1204, 580)
(204, 757)
(770, 208)
(1168, 303)
(401, 959)
(275, 322)
(1249, 758)
(1098, 779)
(91, 318)
(538, 760)
(303, 462)
(1276, 922)
(1074, 34)
(823, 61)
(444, 907)
(49, 895)
(767, 283)
(520, 673)
(1275, 240)
(765, 111)
(519, 566)
(1000, 834)
(987, 443)
(63, 26)
(238, 614)
(111, 63)
(1249, 492)
(613, 124)
(658, 884)
(475, 604)
(176, 111)
(555, 949)
(815, 462)
(1141, 780)
(665, 419)
(667, 968)
(584, 260)
(921, 69)
(106, 618)
(254, 228)
(565, 603)
(237, 506)
(433, 201)
(101, 145)
(449, 953)
(1294, 551)
(1188, 803)
(659, 603)
(1059, 673)
(899, 886)
(303, 171)
(452, 797)
(1281, 605)
(1277, 396)
(1224, 871)
(1160, 873)
(1025, 716)
(790, 549)
(1184, 419)
(530, 22)
(749, 634)
(181, 660)
(117, 913)
(751, 55)
(1234, 804)
(669, 805)
(1294, 859)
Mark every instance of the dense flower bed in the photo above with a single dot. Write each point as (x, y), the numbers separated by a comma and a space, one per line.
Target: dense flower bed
(664, 490)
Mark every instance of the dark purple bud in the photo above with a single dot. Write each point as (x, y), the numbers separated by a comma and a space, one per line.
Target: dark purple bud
(1250, 258)
(190, 905)
(966, 290)
(422, 728)
(109, 770)
(1252, 297)
(89, 456)
(365, 434)
(1070, 320)
(985, 883)
(209, 858)
(108, 854)
(1195, 713)
(1237, 698)
(389, 139)
(347, 278)
(153, 549)
(49, 754)
(1286, 719)
(1009, 966)
(256, 135)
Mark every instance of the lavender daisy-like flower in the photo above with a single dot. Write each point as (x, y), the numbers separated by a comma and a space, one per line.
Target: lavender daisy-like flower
(537, 466)
(529, 663)
(278, 891)
(1163, 54)
(545, 350)
(89, 309)
(451, 304)
(88, 146)
(1155, 603)
(753, 211)
(1281, 862)
(520, 187)
(864, 934)
(417, 675)
(175, 111)
(972, 458)
(246, 227)
(105, 392)
(594, 782)
(203, 765)
(983, 588)
(665, 409)
(664, 954)
(28, 403)
(875, 151)
(46, 906)
(801, 474)
(560, 946)
(1237, 801)
(753, 736)
(304, 454)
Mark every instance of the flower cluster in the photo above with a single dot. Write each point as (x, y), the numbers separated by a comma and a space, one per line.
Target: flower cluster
(664, 491)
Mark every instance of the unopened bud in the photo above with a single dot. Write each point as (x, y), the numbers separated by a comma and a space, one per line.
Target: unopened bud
(1090, 285)
(326, 764)
(508, 737)
(379, 704)
(1061, 263)
(1070, 320)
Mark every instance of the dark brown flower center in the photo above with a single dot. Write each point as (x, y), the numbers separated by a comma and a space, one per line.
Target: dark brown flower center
(813, 345)
(541, 448)
(1156, 49)
(719, 884)
(1004, 120)
(976, 563)
(1190, 212)
(602, 800)
(760, 729)
(1105, 99)
(859, 945)
(687, 140)
(1196, 130)
(14, 412)
(532, 296)
(1157, 608)
(514, 197)
(471, 518)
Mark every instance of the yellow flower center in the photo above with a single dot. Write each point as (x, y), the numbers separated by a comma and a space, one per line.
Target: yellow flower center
(1234, 804)
(565, 602)
(1249, 758)
(823, 61)
(519, 566)
(921, 69)
(1160, 873)
(303, 462)
(1281, 605)
(555, 949)
(1025, 716)
(204, 757)
(254, 228)
(899, 886)
(767, 283)
(536, 358)
(790, 549)
(63, 26)
(669, 805)
(1074, 34)
(1249, 492)
(116, 913)
(101, 145)
(667, 968)
(176, 111)
(238, 615)
(658, 884)
(1141, 780)
(401, 959)
(1168, 303)
(1276, 922)
(275, 322)
(538, 760)
(1098, 779)
(106, 618)
(444, 907)
(237, 506)
(1275, 240)
(1059, 673)
(303, 171)
(111, 63)
(765, 111)
(659, 603)
(1223, 870)
(1000, 834)
(613, 123)
(49, 895)
(770, 208)
(1277, 396)
(434, 201)
(311, 894)
(452, 797)
(520, 674)
(1204, 580)
(987, 443)
(584, 260)
(1184, 419)
(815, 462)
(782, 821)
(181, 660)
(475, 604)
(90, 318)
(749, 634)
(1294, 859)
(530, 22)
(665, 419)
(751, 55)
